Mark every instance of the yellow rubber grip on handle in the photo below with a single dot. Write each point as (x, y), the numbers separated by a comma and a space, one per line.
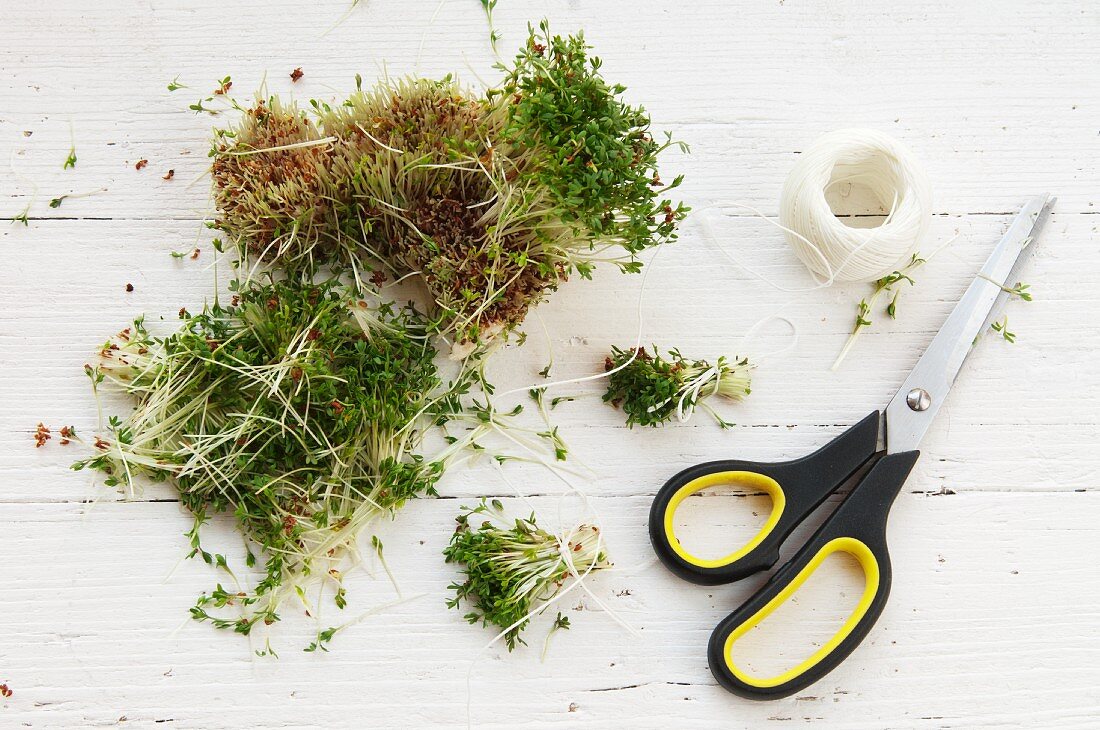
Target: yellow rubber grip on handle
(747, 478)
(868, 563)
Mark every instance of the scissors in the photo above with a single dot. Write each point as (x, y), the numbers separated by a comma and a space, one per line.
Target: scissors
(873, 475)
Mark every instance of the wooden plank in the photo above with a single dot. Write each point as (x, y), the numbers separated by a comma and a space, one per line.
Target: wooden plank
(990, 624)
(993, 120)
(1003, 417)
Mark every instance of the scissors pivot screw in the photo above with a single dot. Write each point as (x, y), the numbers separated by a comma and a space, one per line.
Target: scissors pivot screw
(918, 399)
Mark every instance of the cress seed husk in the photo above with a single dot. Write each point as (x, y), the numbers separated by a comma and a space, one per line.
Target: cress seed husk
(654, 389)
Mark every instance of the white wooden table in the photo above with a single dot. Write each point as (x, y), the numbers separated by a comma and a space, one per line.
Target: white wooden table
(995, 615)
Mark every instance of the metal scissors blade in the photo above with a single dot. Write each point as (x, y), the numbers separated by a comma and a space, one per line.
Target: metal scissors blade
(912, 409)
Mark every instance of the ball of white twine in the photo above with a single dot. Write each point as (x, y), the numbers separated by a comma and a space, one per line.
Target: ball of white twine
(829, 248)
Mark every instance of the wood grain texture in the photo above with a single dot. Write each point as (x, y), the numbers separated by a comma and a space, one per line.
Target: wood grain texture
(992, 623)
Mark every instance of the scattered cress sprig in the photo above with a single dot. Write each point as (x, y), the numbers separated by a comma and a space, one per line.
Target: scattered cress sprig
(70, 161)
(489, 6)
(1021, 291)
(1001, 327)
(885, 285)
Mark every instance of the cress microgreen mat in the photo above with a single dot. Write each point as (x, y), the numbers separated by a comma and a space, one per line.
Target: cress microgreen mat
(490, 200)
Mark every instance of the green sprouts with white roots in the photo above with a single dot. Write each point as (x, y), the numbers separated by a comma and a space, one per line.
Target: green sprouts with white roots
(490, 201)
(303, 407)
(652, 389)
(299, 410)
(513, 569)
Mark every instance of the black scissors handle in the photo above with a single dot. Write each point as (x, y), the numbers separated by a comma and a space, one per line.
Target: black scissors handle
(796, 488)
(857, 527)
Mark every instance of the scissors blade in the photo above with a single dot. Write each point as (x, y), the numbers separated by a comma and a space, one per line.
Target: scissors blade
(916, 403)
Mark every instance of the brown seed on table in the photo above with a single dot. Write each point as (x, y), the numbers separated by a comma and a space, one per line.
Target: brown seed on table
(4, 690)
(140, 164)
(195, 254)
(41, 435)
(169, 175)
(296, 74)
(129, 287)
